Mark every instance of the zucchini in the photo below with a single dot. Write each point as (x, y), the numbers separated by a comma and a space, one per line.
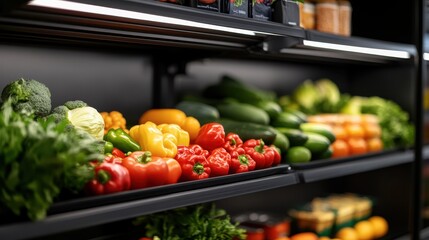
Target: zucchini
(198, 110)
(286, 120)
(247, 130)
(295, 136)
(319, 128)
(243, 112)
(317, 143)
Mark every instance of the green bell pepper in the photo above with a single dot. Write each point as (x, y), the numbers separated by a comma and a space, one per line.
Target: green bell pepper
(121, 140)
(108, 147)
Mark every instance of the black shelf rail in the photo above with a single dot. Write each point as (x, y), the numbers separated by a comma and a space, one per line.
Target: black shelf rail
(356, 166)
(212, 31)
(78, 219)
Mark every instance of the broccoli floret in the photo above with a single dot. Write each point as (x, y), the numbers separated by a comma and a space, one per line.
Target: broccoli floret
(75, 104)
(28, 96)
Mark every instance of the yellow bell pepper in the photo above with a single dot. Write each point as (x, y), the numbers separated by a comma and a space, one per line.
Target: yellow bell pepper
(172, 116)
(181, 135)
(154, 140)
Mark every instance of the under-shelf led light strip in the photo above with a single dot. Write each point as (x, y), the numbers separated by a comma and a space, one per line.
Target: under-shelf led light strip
(354, 49)
(89, 8)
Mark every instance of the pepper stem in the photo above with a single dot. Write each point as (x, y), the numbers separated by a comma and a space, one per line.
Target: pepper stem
(260, 147)
(243, 159)
(146, 157)
(103, 176)
(198, 168)
(233, 142)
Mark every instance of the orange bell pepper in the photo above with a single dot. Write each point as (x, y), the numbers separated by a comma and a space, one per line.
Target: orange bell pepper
(172, 116)
(174, 169)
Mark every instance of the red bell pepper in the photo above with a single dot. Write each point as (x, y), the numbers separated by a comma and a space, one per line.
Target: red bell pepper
(118, 153)
(112, 159)
(277, 156)
(194, 163)
(109, 178)
(174, 169)
(219, 160)
(144, 171)
(211, 136)
(232, 142)
(241, 162)
(258, 151)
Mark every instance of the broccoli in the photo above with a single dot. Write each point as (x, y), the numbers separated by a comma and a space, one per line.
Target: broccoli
(28, 96)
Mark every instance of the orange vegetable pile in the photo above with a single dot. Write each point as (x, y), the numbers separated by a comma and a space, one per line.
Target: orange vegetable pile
(113, 119)
(355, 134)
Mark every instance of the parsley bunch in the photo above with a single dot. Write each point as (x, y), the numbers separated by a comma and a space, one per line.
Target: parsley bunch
(199, 222)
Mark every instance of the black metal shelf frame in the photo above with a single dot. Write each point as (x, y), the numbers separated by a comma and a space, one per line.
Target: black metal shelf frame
(61, 24)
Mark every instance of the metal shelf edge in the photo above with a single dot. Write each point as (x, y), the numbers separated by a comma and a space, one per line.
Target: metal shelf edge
(363, 165)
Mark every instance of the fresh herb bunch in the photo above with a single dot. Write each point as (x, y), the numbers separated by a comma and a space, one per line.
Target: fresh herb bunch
(199, 222)
(38, 159)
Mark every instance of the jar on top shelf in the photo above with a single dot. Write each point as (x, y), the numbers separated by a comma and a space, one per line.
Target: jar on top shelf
(308, 15)
(345, 17)
(327, 16)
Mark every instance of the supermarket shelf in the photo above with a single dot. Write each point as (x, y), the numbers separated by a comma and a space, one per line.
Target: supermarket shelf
(110, 213)
(213, 31)
(357, 166)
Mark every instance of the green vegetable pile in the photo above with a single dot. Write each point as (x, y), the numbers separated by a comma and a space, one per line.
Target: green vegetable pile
(323, 96)
(199, 222)
(397, 130)
(39, 158)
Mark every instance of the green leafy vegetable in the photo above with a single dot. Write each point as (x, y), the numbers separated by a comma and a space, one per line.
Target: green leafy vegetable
(80, 116)
(38, 159)
(397, 130)
(200, 222)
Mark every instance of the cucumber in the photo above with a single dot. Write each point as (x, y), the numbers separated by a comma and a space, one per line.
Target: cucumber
(324, 155)
(272, 108)
(228, 87)
(281, 141)
(243, 112)
(319, 128)
(295, 136)
(302, 116)
(286, 120)
(298, 154)
(247, 130)
(317, 143)
(198, 110)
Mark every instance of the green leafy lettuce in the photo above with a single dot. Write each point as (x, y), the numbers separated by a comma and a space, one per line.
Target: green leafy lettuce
(38, 159)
